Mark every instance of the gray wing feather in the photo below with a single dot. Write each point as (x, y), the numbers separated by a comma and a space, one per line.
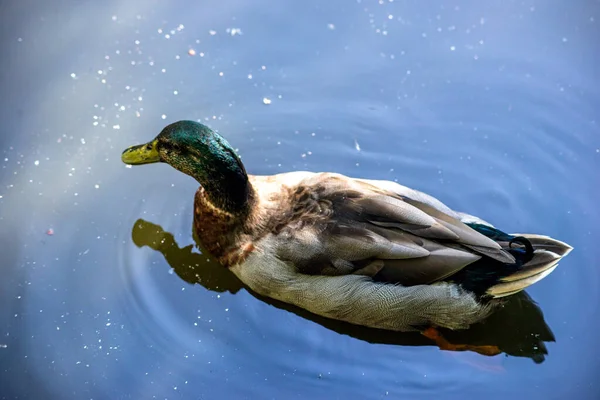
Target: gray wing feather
(417, 239)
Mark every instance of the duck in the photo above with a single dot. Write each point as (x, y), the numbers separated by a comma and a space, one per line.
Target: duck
(368, 252)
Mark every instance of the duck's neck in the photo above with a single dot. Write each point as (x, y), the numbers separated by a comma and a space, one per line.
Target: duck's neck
(221, 174)
(223, 206)
(227, 188)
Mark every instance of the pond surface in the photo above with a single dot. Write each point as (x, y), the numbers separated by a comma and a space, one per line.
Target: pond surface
(490, 106)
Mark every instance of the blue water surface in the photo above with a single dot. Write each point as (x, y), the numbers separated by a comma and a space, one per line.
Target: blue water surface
(491, 106)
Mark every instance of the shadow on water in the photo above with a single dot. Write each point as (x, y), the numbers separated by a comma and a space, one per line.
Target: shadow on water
(517, 329)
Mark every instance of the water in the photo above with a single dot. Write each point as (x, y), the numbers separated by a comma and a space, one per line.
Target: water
(490, 106)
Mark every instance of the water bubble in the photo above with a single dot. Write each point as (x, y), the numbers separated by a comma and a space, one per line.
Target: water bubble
(234, 31)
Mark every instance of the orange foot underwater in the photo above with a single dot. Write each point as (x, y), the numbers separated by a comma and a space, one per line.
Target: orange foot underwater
(433, 334)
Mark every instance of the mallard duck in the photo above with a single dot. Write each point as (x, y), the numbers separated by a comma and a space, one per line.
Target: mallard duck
(368, 252)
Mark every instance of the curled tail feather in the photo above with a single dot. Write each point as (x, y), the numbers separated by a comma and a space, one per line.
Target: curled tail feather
(545, 255)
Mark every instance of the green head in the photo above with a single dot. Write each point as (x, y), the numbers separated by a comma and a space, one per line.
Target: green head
(198, 151)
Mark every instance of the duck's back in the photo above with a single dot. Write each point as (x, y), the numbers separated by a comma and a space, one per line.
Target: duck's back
(330, 224)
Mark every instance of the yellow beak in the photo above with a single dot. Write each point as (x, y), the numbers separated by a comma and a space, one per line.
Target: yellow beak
(141, 154)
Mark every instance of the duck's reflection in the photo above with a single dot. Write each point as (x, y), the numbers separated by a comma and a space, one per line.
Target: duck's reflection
(517, 329)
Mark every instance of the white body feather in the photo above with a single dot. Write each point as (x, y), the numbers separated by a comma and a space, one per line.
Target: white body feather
(357, 299)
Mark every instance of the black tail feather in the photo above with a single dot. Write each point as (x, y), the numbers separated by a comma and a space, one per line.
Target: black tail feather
(486, 272)
(528, 247)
